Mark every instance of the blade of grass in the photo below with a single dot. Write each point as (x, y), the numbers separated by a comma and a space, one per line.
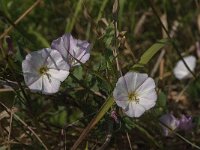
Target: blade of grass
(103, 5)
(150, 52)
(70, 26)
(39, 37)
(105, 107)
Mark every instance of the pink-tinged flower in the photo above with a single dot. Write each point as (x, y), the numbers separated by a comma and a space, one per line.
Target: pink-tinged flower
(181, 71)
(44, 70)
(135, 93)
(169, 123)
(186, 123)
(73, 50)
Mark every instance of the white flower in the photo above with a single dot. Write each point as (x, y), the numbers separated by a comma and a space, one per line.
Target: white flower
(43, 70)
(72, 49)
(181, 71)
(135, 93)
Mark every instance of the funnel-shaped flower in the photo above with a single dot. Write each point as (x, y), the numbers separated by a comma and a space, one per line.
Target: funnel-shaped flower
(72, 50)
(135, 93)
(44, 70)
(169, 123)
(181, 71)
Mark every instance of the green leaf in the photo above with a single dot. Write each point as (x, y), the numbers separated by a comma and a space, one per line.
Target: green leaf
(162, 99)
(59, 117)
(108, 37)
(78, 72)
(146, 57)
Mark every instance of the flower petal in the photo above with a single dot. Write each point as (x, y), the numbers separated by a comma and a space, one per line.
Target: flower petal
(62, 44)
(181, 71)
(32, 62)
(50, 85)
(134, 110)
(122, 101)
(146, 103)
(30, 78)
(148, 99)
(36, 85)
(79, 50)
(55, 61)
(146, 86)
(72, 49)
(134, 80)
(84, 58)
(60, 75)
(121, 88)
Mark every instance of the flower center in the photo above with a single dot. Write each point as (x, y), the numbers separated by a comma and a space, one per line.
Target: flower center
(71, 59)
(43, 70)
(133, 97)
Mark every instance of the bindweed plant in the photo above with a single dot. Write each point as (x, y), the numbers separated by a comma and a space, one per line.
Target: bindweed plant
(99, 74)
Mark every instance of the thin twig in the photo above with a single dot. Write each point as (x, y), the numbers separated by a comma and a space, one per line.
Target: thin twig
(25, 125)
(115, 19)
(183, 90)
(155, 68)
(129, 141)
(10, 128)
(140, 23)
(107, 141)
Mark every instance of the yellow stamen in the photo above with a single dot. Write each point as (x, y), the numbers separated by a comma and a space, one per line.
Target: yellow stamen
(43, 70)
(133, 97)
